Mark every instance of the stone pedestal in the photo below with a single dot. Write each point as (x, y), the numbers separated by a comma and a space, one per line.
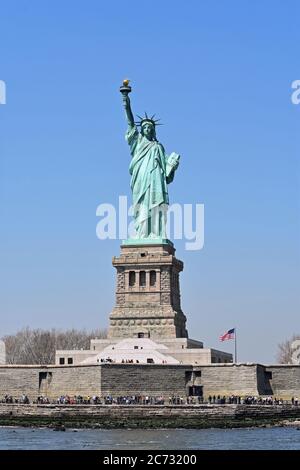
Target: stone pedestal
(147, 293)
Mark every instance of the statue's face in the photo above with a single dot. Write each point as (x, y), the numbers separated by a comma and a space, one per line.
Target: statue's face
(148, 131)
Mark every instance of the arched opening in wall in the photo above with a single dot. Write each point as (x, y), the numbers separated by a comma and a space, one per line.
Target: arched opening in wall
(152, 278)
(131, 278)
(142, 278)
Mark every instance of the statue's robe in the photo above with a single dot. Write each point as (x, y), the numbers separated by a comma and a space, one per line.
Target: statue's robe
(150, 174)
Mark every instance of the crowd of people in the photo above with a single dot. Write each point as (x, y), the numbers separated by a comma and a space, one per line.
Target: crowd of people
(152, 400)
(250, 400)
(10, 399)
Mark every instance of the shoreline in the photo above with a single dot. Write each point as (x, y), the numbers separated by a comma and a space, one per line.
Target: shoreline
(63, 427)
(61, 417)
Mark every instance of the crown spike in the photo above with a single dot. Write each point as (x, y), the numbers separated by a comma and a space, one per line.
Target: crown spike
(147, 118)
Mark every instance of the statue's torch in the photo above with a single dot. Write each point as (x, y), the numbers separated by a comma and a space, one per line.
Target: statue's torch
(125, 88)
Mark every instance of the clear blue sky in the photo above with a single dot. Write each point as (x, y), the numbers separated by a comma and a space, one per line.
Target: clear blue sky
(219, 75)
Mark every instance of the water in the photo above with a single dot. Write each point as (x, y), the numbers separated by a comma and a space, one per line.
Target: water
(169, 439)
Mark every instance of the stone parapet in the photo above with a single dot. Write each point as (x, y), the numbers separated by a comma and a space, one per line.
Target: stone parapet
(151, 379)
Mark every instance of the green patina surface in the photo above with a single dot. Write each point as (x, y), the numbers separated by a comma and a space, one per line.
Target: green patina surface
(147, 241)
(151, 171)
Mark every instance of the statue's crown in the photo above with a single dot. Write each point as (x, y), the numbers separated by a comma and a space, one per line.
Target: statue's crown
(146, 118)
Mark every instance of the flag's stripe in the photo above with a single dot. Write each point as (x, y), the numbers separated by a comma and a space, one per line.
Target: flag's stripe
(228, 335)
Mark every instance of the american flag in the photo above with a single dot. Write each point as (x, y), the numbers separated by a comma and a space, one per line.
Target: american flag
(228, 335)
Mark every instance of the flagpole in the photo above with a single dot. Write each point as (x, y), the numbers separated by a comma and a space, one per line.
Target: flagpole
(235, 346)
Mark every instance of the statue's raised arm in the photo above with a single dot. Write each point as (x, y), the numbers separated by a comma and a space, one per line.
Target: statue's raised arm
(125, 89)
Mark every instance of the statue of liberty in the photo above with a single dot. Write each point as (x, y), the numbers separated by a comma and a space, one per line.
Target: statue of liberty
(151, 171)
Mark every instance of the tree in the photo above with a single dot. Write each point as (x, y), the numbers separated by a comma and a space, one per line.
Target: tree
(36, 346)
(288, 350)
